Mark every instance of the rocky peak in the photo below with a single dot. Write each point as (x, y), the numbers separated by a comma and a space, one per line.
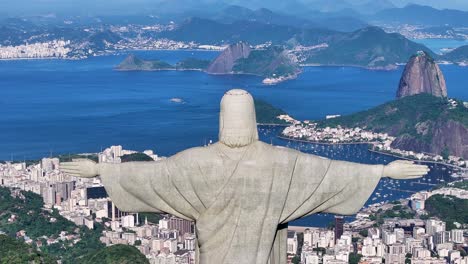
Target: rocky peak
(422, 75)
(224, 63)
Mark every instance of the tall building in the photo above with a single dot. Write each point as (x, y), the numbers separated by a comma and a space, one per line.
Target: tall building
(115, 214)
(389, 237)
(339, 222)
(456, 236)
(421, 253)
(441, 237)
(292, 242)
(56, 193)
(181, 225)
(48, 164)
(311, 258)
(400, 234)
(96, 192)
(189, 242)
(395, 254)
(434, 226)
(418, 232)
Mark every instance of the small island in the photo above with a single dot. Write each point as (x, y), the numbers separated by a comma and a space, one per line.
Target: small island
(273, 63)
(133, 63)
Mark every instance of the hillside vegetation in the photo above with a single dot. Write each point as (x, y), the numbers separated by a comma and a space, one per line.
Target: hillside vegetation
(401, 116)
(267, 113)
(37, 222)
(368, 47)
(270, 62)
(421, 123)
(448, 208)
(13, 251)
(117, 254)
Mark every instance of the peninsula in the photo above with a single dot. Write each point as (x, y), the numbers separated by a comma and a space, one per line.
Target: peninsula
(423, 123)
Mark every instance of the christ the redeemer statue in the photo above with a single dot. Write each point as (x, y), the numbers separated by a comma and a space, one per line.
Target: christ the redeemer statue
(241, 192)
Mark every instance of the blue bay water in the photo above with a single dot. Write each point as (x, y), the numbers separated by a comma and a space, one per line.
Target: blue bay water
(60, 107)
(437, 45)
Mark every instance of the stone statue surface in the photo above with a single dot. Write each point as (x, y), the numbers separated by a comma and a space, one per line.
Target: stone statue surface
(240, 191)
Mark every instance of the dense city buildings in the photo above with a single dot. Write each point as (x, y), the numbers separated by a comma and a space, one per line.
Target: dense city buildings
(51, 49)
(85, 202)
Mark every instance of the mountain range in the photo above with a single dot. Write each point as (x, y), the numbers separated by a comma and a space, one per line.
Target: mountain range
(311, 19)
(213, 32)
(421, 15)
(370, 47)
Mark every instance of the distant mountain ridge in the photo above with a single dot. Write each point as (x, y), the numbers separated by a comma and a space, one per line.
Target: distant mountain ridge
(458, 55)
(370, 47)
(313, 19)
(364, 7)
(208, 31)
(422, 15)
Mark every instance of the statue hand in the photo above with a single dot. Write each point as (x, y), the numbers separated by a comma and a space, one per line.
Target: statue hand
(83, 168)
(405, 170)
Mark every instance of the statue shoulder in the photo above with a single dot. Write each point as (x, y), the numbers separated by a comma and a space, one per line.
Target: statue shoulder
(285, 154)
(193, 154)
(277, 151)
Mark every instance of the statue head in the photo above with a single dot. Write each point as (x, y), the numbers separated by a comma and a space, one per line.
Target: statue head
(237, 122)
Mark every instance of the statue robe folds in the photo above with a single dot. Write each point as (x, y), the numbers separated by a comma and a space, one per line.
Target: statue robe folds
(239, 197)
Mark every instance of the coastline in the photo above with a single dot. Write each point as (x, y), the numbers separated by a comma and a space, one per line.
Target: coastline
(274, 81)
(425, 161)
(153, 70)
(277, 80)
(272, 125)
(104, 53)
(391, 67)
(375, 151)
(325, 143)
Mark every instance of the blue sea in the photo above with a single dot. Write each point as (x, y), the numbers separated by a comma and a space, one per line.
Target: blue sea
(438, 45)
(51, 107)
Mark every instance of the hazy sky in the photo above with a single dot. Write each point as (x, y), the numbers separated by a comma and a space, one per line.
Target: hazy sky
(16, 7)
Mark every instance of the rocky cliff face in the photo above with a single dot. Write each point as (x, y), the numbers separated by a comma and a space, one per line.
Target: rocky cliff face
(422, 75)
(446, 134)
(224, 63)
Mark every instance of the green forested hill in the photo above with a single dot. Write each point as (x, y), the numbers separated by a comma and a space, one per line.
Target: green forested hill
(271, 62)
(267, 113)
(421, 123)
(117, 254)
(368, 47)
(13, 251)
(448, 208)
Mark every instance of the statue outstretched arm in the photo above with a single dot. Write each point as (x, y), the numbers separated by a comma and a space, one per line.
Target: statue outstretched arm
(134, 186)
(323, 185)
(356, 182)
